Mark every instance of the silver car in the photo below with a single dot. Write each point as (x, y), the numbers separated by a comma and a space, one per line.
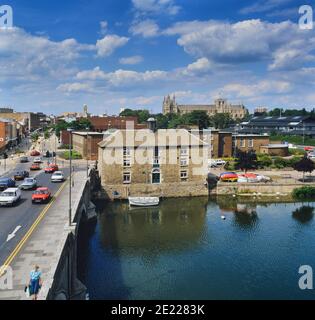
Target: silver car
(29, 184)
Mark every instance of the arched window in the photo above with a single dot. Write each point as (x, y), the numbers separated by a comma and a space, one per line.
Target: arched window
(156, 176)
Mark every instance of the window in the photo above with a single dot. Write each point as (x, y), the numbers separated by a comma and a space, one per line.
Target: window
(127, 177)
(126, 152)
(127, 163)
(250, 143)
(183, 162)
(156, 176)
(184, 151)
(242, 143)
(184, 175)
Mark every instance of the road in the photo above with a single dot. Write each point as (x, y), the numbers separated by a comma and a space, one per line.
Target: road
(22, 216)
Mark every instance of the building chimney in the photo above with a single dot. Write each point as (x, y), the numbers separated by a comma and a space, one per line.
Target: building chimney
(152, 124)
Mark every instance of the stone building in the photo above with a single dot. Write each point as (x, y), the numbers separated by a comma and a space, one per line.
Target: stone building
(165, 163)
(220, 106)
(86, 143)
(247, 142)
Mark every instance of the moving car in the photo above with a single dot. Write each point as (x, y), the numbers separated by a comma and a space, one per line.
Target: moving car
(57, 176)
(51, 168)
(6, 183)
(41, 195)
(21, 175)
(10, 196)
(38, 160)
(29, 184)
(35, 166)
(23, 159)
(35, 153)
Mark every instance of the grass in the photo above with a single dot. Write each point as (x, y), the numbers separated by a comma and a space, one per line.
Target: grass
(75, 155)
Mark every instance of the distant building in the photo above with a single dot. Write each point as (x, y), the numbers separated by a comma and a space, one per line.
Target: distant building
(293, 125)
(6, 110)
(9, 133)
(279, 150)
(30, 120)
(220, 106)
(86, 143)
(158, 173)
(248, 142)
(261, 110)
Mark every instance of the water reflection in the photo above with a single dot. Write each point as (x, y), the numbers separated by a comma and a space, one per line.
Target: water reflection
(175, 224)
(303, 214)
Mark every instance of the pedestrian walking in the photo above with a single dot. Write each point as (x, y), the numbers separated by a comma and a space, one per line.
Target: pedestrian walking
(35, 283)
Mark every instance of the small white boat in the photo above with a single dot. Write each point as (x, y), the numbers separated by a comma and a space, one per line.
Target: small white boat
(144, 201)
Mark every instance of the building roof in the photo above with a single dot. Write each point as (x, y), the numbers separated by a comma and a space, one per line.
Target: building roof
(275, 146)
(292, 120)
(148, 138)
(90, 133)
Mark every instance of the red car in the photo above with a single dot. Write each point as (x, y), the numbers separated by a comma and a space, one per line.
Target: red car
(35, 153)
(35, 166)
(41, 195)
(51, 168)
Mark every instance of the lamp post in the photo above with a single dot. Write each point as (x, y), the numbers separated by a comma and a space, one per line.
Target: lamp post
(70, 179)
(87, 158)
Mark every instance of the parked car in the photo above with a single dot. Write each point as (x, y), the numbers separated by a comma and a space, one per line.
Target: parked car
(23, 159)
(41, 195)
(6, 183)
(38, 160)
(21, 175)
(29, 184)
(10, 196)
(35, 153)
(229, 177)
(57, 176)
(35, 166)
(51, 168)
(220, 162)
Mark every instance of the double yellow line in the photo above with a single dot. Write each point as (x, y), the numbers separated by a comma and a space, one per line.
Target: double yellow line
(29, 232)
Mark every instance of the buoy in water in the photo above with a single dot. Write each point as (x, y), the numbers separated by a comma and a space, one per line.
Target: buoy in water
(223, 217)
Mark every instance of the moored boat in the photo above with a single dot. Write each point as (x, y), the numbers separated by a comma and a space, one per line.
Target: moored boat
(144, 201)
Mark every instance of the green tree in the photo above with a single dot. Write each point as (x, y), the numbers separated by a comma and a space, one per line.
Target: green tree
(142, 115)
(304, 165)
(221, 120)
(246, 160)
(198, 118)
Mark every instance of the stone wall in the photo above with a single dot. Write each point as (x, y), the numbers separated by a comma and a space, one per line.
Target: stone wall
(165, 190)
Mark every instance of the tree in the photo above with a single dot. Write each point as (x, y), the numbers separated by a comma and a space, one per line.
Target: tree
(142, 115)
(221, 120)
(246, 160)
(304, 165)
(198, 118)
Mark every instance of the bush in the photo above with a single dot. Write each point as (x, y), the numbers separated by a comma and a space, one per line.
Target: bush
(304, 193)
(75, 155)
(264, 160)
(63, 146)
(293, 161)
(280, 163)
(297, 152)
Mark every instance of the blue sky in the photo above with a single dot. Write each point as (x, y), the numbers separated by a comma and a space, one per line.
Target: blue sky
(111, 54)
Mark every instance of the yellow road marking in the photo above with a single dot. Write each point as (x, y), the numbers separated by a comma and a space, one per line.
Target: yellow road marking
(29, 232)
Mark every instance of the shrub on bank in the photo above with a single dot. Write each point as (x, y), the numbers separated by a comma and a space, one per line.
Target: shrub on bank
(75, 155)
(304, 193)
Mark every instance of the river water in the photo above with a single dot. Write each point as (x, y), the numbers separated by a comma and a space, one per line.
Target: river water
(183, 249)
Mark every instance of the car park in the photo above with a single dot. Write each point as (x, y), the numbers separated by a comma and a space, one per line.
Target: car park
(6, 183)
(41, 195)
(29, 184)
(21, 175)
(35, 166)
(10, 196)
(51, 168)
(57, 176)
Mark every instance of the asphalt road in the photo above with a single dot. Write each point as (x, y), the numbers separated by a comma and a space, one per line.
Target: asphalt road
(24, 213)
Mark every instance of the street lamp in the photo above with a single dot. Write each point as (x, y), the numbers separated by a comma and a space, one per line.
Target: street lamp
(87, 159)
(70, 181)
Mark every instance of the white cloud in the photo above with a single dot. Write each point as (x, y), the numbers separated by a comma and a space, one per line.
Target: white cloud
(75, 87)
(103, 26)
(200, 66)
(156, 6)
(107, 45)
(246, 41)
(270, 87)
(147, 29)
(131, 60)
(263, 6)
